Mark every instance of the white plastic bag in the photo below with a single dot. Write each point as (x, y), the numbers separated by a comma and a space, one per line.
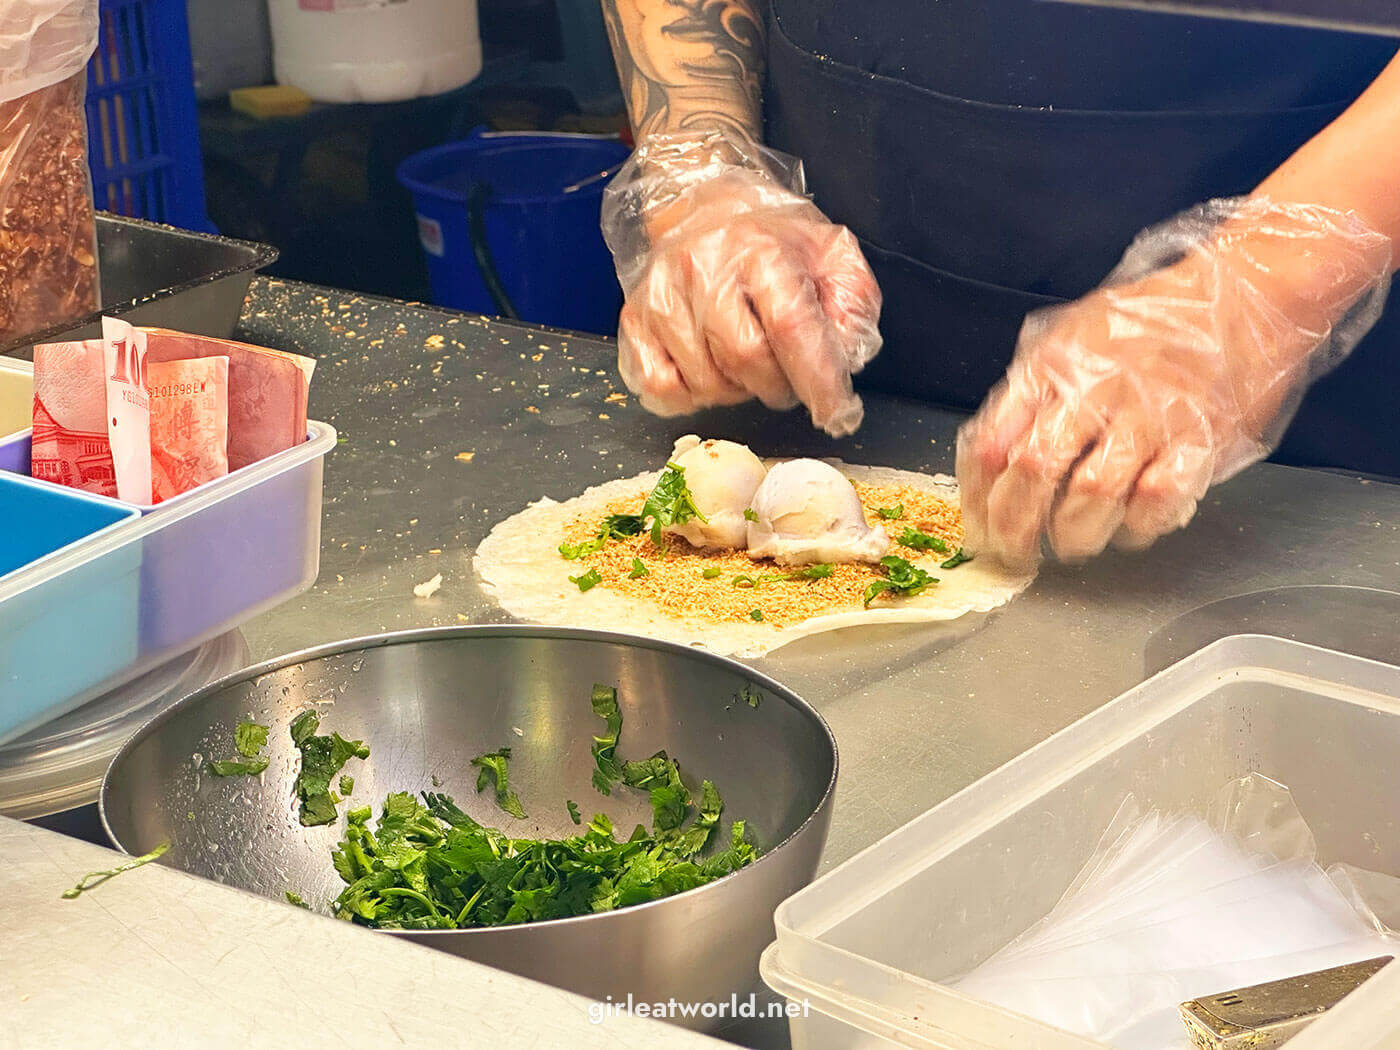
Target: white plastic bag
(1172, 907)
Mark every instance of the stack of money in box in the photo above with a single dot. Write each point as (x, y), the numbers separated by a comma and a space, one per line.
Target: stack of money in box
(145, 414)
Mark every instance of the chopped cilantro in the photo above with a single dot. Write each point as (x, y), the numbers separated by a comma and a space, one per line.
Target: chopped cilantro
(891, 513)
(756, 615)
(295, 898)
(347, 784)
(922, 541)
(613, 527)
(901, 577)
(93, 879)
(710, 573)
(322, 757)
(427, 865)
(956, 560)
(608, 772)
(249, 738)
(810, 572)
(237, 767)
(750, 514)
(588, 580)
(493, 768)
(670, 502)
(639, 568)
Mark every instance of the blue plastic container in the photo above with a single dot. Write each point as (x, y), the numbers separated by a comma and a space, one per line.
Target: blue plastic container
(68, 598)
(541, 234)
(143, 128)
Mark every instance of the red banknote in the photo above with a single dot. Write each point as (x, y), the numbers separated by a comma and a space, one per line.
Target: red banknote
(192, 408)
(267, 391)
(71, 446)
(189, 424)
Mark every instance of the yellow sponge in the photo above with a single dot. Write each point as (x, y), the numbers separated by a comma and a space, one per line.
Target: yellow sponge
(270, 100)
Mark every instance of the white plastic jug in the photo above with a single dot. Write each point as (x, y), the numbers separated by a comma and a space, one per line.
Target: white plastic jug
(374, 50)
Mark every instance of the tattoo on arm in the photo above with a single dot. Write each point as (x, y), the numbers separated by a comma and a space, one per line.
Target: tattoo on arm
(688, 63)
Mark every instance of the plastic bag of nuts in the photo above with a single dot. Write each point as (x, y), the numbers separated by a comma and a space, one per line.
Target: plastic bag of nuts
(48, 239)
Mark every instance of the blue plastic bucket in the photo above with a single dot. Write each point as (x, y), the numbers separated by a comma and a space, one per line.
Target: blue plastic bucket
(541, 234)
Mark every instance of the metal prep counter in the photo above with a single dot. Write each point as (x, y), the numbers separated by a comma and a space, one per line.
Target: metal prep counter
(450, 423)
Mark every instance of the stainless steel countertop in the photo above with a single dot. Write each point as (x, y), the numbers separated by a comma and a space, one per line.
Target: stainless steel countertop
(918, 712)
(450, 423)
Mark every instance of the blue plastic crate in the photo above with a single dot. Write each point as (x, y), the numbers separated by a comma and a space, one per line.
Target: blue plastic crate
(143, 130)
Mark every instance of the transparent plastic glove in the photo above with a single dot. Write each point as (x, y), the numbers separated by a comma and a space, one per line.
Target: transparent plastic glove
(1119, 410)
(737, 287)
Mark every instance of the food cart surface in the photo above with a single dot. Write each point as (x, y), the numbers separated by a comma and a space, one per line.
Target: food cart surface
(448, 424)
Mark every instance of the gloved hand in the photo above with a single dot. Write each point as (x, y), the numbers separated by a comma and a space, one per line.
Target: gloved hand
(1119, 410)
(737, 287)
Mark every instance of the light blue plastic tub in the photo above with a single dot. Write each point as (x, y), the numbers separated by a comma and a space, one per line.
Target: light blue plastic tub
(70, 575)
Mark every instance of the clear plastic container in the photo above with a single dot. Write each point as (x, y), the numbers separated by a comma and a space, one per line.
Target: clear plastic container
(204, 563)
(59, 765)
(869, 945)
(86, 627)
(16, 413)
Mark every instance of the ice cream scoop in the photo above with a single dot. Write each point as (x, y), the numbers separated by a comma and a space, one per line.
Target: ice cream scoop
(722, 477)
(807, 512)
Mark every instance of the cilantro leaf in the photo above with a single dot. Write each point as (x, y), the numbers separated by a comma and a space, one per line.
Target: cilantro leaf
(639, 568)
(750, 514)
(922, 541)
(347, 784)
(322, 757)
(613, 527)
(956, 560)
(696, 837)
(493, 768)
(891, 513)
(756, 615)
(819, 571)
(670, 502)
(93, 879)
(249, 738)
(295, 898)
(236, 767)
(574, 814)
(711, 573)
(901, 577)
(608, 772)
(588, 580)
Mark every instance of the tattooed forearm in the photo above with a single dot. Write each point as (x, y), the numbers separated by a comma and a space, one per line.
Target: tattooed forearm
(688, 63)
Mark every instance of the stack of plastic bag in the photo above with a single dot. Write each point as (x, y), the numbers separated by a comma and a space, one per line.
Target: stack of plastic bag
(1173, 907)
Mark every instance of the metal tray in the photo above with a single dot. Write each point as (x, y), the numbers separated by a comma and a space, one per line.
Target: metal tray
(163, 277)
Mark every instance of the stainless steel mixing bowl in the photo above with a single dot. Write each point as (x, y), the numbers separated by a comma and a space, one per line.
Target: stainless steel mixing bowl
(426, 702)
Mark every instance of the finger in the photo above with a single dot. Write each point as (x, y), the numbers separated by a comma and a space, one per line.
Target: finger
(804, 341)
(1018, 505)
(647, 369)
(1091, 507)
(984, 443)
(1166, 494)
(849, 295)
(738, 344)
(669, 308)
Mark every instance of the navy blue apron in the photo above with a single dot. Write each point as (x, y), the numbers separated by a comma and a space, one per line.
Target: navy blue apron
(995, 156)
